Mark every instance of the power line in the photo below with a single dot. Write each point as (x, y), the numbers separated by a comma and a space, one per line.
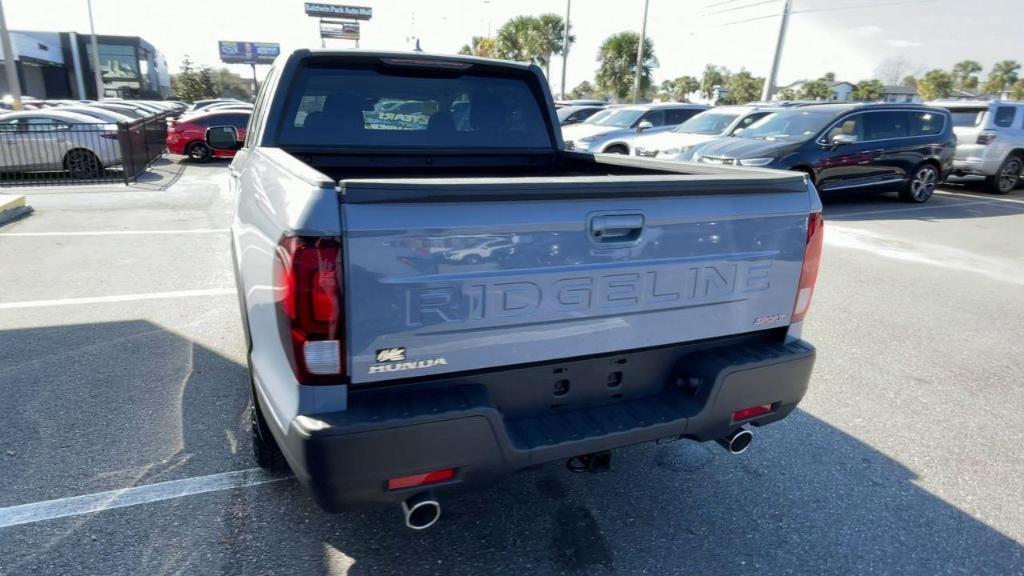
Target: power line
(874, 5)
(733, 9)
(723, 2)
(806, 10)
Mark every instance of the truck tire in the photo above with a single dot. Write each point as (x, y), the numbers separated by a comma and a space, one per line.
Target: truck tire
(921, 184)
(1008, 177)
(265, 450)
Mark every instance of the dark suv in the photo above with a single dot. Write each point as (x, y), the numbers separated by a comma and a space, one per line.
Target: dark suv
(870, 147)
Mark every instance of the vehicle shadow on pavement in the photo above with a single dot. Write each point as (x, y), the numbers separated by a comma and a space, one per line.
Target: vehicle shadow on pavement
(851, 206)
(96, 407)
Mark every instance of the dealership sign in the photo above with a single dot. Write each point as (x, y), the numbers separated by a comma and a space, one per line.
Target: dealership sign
(343, 30)
(248, 52)
(338, 11)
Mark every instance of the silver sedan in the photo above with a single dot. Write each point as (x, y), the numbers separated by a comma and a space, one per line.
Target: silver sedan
(54, 140)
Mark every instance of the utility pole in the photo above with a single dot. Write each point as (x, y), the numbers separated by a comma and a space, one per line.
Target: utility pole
(640, 56)
(769, 85)
(95, 56)
(13, 83)
(255, 87)
(565, 45)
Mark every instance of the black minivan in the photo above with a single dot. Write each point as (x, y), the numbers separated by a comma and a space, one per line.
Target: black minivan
(872, 147)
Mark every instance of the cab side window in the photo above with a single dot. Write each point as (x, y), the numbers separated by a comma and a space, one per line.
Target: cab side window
(680, 115)
(1004, 116)
(886, 125)
(850, 126)
(655, 117)
(926, 123)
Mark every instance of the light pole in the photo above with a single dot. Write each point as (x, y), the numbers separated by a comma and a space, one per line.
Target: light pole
(769, 85)
(11, 68)
(640, 56)
(98, 75)
(565, 45)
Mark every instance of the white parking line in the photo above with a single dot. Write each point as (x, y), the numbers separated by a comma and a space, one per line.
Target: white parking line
(75, 505)
(841, 215)
(990, 198)
(115, 232)
(118, 298)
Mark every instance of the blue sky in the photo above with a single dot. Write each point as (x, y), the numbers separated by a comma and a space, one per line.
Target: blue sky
(848, 37)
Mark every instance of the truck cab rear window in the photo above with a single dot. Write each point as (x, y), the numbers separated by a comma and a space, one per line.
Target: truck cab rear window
(358, 108)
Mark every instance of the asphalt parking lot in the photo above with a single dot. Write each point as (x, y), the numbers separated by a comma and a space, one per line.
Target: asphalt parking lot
(122, 365)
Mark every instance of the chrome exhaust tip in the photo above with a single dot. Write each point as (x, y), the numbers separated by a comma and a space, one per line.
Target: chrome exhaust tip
(421, 511)
(737, 442)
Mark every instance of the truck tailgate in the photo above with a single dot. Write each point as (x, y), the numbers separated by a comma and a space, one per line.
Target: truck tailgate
(449, 276)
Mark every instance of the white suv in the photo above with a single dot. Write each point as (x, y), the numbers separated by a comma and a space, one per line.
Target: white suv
(990, 141)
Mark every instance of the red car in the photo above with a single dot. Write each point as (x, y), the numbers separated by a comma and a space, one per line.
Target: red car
(187, 135)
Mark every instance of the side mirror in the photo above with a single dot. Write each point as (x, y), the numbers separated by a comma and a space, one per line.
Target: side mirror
(223, 138)
(843, 139)
(644, 125)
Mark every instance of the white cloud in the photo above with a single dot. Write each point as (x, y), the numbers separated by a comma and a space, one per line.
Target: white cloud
(900, 43)
(867, 30)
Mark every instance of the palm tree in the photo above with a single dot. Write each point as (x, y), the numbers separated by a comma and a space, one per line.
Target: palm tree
(480, 46)
(965, 74)
(548, 39)
(1003, 74)
(516, 39)
(618, 70)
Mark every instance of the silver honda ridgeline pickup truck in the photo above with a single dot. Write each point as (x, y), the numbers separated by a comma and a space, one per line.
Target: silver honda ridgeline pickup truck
(435, 294)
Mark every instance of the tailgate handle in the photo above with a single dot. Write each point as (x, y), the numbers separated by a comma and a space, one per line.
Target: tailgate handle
(617, 227)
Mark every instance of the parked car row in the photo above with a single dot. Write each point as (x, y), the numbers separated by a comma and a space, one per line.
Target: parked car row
(906, 148)
(77, 137)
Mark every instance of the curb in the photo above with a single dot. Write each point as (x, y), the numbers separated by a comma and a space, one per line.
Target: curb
(12, 208)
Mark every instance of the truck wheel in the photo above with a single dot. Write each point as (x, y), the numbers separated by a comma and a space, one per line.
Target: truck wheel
(1008, 176)
(921, 185)
(199, 152)
(264, 448)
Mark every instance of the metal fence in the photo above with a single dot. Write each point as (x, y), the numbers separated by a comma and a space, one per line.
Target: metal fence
(62, 153)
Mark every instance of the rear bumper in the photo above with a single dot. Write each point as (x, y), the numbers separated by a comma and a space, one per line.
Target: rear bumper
(489, 425)
(976, 159)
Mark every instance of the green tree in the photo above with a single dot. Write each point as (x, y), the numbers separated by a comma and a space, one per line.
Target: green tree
(1017, 90)
(515, 39)
(787, 94)
(480, 46)
(230, 85)
(583, 90)
(816, 90)
(935, 84)
(548, 39)
(618, 71)
(829, 77)
(1002, 76)
(909, 81)
(683, 86)
(869, 91)
(965, 74)
(186, 82)
(209, 87)
(743, 88)
(713, 76)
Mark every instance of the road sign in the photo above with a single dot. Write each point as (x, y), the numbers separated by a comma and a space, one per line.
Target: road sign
(248, 52)
(317, 9)
(343, 30)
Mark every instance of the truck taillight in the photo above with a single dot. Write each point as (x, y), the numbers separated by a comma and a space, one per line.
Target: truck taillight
(310, 291)
(809, 271)
(986, 137)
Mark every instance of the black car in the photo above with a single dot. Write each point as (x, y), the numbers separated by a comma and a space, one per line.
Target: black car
(870, 147)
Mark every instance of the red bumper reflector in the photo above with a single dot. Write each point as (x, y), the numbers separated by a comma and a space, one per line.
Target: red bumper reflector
(752, 412)
(421, 479)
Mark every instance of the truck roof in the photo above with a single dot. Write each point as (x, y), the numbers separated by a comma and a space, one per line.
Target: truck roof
(410, 57)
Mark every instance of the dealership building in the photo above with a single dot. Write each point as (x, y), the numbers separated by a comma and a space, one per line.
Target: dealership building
(59, 65)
